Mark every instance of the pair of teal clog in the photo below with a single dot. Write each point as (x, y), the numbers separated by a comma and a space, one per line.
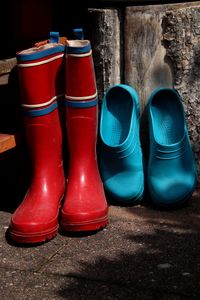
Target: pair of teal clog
(171, 171)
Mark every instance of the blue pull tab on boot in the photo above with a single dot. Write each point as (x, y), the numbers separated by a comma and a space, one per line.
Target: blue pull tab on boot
(78, 33)
(54, 37)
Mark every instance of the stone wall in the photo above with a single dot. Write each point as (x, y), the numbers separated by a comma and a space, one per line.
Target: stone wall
(151, 46)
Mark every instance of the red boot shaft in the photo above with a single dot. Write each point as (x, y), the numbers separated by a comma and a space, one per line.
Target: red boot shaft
(36, 219)
(85, 207)
(79, 72)
(42, 80)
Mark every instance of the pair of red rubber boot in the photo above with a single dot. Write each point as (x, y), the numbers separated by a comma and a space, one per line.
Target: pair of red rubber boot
(50, 75)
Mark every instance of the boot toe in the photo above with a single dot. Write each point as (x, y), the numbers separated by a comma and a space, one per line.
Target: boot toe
(32, 231)
(172, 192)
(126, 187)
(84, 219)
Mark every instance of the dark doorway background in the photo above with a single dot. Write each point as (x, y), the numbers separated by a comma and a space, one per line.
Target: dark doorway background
(25, 22)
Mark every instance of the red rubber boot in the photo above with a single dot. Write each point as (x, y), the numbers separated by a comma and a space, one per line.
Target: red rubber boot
(41, 76)
(85, 207)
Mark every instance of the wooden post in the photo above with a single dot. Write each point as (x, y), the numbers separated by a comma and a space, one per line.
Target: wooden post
(106, 43)
(161, 46)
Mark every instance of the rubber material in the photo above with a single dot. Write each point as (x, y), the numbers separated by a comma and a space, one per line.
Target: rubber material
(78, 47)
(121, 160)
(85, 207)
(171, 168)
(54, 37)
(78, 33)
(36, 219)
(43, 53)
(82, 104)
(41, 111)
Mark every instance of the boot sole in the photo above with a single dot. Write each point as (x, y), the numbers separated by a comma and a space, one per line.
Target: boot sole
(92, 225)
(33, 238)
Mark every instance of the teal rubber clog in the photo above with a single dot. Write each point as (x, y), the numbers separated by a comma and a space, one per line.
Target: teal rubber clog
(121, 160)
(171, 168)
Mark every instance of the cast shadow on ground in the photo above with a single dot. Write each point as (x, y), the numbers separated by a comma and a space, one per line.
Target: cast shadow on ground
(160, 260)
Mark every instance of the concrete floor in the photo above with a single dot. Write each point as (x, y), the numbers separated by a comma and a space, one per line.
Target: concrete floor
(144, 253)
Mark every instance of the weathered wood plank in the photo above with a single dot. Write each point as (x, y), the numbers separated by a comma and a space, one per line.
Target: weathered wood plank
(7, 142)
(6, 65)
(132, 2)
(106, 39)
(162, 45)
(4, 79)
(145, 66)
